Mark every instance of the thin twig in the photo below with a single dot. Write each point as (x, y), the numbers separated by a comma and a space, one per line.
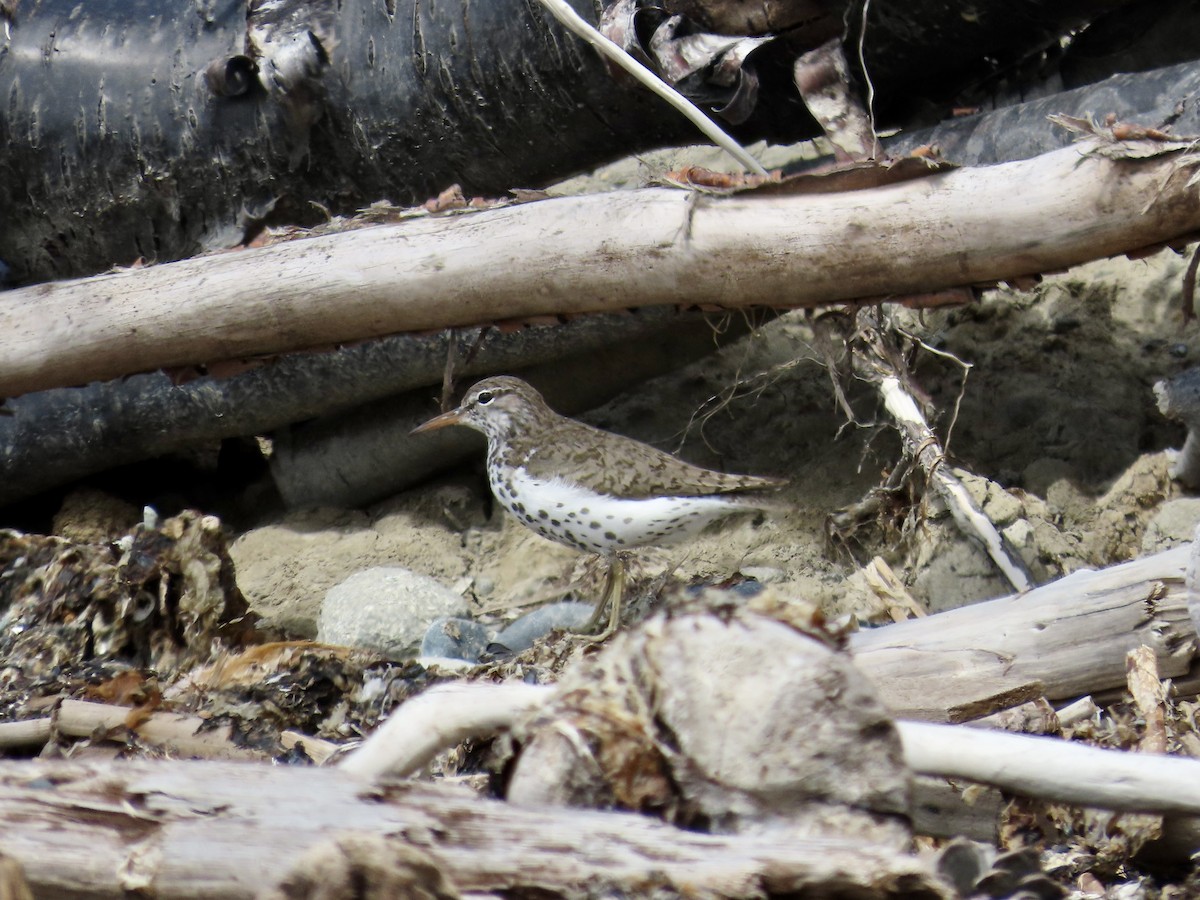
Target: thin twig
(1188, 295)
(882, 366)
(862, 61)
(962, 385)
(927, 449)
(576, 24)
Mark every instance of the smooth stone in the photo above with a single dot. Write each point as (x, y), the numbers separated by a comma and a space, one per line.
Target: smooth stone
(1172, 526)
(454, 638)
(387, 609)
(567, 615)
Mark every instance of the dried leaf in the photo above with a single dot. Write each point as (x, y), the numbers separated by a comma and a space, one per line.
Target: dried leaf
(700, 178)
(1119, 140)
(449, 199)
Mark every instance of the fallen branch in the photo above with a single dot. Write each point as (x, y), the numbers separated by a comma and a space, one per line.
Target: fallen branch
(1049, 768)
(647, 247)
(172, 733)
(437, 719)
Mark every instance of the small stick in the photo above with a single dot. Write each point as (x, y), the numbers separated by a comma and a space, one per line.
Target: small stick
(579, 26)
(181, 735)
(924, 445)
(1149, 697)
(26, 733)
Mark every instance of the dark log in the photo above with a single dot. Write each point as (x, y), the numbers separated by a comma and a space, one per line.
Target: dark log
(364, 454)
(1159, 98)
(177, 128)
(55, 436)
(172, 126)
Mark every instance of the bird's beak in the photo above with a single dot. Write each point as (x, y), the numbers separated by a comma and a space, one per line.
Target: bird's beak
(453, 417)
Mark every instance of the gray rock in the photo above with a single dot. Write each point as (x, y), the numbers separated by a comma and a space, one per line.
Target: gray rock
(451, 638)
(1172, 525)
(567, 615)
(386, 609)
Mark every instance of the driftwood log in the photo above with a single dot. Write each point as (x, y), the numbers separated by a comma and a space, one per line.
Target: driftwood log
(950, 228)
(229, 830)
(1060, 641)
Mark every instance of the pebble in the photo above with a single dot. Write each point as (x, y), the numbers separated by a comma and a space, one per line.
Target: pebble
(386, 609)
(455, 638)
(568, 615)
(452, 640)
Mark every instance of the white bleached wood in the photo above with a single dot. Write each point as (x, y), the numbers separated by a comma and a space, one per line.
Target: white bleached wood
(920, 441)
(231, 830)
(1060, 641)
(579, 26)
(592, 253)
(436, 720)
(177, 734)
(1033, 766)
(1054, 769)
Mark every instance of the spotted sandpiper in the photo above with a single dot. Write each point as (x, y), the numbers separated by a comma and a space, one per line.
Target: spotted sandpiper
(590, 489)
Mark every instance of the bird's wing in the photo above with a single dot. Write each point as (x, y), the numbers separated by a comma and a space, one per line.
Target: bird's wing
(627, 468)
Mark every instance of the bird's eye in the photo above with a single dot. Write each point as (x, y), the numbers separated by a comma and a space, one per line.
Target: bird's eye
(485, 397)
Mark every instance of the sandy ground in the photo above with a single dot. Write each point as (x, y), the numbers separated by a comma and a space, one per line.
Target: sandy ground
(1057, 420)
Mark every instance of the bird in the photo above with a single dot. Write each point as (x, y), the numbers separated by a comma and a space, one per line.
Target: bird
(590, 489)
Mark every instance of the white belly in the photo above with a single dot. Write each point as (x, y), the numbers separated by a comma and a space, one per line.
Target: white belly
(598, 523)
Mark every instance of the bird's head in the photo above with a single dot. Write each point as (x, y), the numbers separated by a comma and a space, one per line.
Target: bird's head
(497, 406)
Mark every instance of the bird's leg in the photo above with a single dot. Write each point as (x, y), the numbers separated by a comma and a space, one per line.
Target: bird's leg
(614, 590)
